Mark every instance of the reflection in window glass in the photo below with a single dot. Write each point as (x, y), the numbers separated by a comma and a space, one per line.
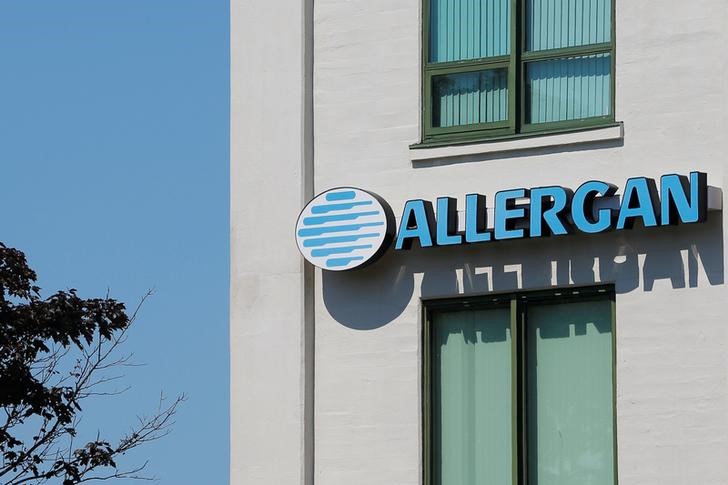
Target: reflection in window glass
(470, 97)
(471, 398)
(569, 376)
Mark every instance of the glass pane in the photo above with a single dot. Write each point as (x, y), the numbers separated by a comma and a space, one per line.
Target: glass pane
(568, 89)
(469, 29)
(570, 412)
(470, 97)
(553, 24)
(471, 398)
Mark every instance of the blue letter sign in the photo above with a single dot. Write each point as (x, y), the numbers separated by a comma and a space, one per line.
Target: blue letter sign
(348, 228)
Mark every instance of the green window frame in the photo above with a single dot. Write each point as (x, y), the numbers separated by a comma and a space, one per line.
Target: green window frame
(516, 64)
(522, 387)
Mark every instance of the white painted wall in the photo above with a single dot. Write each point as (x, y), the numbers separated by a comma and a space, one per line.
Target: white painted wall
(672, 337)
(672, 342)
(269, 335)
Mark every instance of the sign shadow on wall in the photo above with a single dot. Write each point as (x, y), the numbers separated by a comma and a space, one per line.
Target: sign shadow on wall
(677, 257)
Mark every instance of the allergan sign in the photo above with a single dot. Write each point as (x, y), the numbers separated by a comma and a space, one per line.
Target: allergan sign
(347, 228)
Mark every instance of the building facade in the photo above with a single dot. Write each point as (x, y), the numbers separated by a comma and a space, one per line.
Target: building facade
(493, 340)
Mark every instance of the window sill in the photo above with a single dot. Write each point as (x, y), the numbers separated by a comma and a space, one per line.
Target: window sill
(430, 151)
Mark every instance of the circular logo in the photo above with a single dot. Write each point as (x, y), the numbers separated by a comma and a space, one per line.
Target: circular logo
(344, 228)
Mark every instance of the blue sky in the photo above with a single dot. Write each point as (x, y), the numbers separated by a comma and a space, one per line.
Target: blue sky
(114, 174)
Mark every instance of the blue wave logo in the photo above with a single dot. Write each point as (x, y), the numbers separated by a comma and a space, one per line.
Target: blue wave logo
(344, 228)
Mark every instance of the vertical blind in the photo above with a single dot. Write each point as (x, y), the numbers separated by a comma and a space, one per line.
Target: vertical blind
(568, 89)
(555, 24)
(469, 29)
(470, 98)
(563, 89)
(569, 405)
(471, 398)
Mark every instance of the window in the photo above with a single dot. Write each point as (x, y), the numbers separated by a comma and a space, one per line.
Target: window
(519, 390)
(504, 67)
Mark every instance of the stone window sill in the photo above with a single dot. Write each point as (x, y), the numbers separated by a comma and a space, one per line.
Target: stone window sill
(422, 153)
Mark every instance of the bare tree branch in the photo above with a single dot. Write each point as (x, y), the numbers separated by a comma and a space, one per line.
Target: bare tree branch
(56, 354)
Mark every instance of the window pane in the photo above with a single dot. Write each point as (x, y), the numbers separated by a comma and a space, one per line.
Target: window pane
(568, 89)
(469, 29)
(471, 398)
(470, 97)
(553, 24)
(570, 412)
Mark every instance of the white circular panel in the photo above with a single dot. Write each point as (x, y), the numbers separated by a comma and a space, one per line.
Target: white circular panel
(344, 228)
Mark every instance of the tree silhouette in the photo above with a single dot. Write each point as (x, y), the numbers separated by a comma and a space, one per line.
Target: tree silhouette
(55, 353)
